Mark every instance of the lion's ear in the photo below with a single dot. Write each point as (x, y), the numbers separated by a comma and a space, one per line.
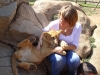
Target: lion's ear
(46, 35)
(59, 31)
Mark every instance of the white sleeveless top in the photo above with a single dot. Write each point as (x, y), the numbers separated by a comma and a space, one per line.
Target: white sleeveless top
(71, 39)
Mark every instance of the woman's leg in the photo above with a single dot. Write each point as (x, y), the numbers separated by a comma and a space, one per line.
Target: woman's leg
(57, 63)
(73, 61)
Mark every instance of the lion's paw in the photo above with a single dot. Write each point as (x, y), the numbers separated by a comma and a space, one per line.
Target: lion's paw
(33, 67)
(63, 44)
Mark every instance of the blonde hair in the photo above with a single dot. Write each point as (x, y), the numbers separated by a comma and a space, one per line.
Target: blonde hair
(69, 14)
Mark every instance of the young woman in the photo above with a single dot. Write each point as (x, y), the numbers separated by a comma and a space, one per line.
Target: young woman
(71, 31)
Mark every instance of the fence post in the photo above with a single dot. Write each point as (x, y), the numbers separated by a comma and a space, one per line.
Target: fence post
(85, 2)
(76, 1)
(96, 5)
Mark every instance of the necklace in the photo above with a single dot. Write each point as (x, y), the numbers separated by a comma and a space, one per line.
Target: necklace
(65, 30)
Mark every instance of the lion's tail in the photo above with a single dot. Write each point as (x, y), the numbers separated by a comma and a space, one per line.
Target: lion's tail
(14, 66)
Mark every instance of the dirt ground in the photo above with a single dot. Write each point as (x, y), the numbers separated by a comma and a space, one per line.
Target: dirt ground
(96, 16)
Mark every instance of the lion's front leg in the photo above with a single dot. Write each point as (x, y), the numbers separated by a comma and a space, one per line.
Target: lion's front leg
(64, 46)
(27, 66)
(52, 50)
(61, 53)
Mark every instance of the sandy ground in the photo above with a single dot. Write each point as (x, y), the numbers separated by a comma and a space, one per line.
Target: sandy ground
(95, 17)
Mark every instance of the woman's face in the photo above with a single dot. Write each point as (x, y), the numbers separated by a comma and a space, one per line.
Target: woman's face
(63, 22)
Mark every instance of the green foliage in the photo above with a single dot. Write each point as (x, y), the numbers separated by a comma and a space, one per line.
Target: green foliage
(54, 17)
(88, 57)
(93, 45)
(92, 40)
(85, 59)
(32, 0)
(31, 3)
(87, 8)
(88, 5)
(88, 11)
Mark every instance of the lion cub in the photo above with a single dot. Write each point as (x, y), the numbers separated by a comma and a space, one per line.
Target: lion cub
(28, 55)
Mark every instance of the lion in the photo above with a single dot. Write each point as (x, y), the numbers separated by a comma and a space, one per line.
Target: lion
(29, 56)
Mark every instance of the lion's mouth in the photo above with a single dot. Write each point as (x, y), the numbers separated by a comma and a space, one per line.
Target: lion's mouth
(35, 43)
(53, 46)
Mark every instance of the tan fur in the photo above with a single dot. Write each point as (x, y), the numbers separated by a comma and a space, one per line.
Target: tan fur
(29, 56)
(63, 44)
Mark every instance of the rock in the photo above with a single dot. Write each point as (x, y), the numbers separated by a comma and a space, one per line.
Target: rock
(4, 2)
(95, 58)
(6, 71)
(7, 13)
(5, 61)
(26, 23)
(5, 50)
(5, 58)
(84, 48)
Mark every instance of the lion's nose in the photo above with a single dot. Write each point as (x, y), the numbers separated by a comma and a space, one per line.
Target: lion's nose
(56, 42)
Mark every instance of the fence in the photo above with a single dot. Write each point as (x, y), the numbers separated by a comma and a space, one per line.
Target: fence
(93, 1)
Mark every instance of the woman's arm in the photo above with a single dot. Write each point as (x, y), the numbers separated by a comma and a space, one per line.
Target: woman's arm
(74, 44)
(76, 38)
(70, 47)
(65, 46)
(59, 49)
(40, 42)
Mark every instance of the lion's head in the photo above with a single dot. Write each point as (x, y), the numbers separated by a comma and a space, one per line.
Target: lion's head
(51, 37)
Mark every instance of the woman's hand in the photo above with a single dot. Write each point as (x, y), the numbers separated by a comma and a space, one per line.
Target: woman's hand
(39, 44)
(58, 49)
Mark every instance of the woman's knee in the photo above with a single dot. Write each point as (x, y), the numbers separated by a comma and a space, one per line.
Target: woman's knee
(57, 58)
(73, 60)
